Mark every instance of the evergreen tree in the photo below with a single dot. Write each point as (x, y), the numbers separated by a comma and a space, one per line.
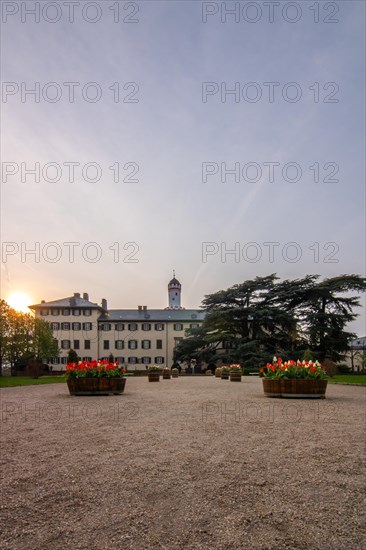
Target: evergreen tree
(72, 356)
(252, 321)
(327, 310)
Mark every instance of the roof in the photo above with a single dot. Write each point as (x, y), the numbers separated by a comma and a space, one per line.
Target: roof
(175, 282)
(191, 315)
(72, 301)
(359, 343)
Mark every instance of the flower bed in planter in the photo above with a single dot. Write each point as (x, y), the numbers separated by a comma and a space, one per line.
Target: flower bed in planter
(175, 373)
(167, 374)
(225, 373)
(235, 373)
(301, 379)
(95, 378)
(153, 373)
(218, 372)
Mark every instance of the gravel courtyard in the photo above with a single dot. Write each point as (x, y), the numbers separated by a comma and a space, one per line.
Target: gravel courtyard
(188, 463)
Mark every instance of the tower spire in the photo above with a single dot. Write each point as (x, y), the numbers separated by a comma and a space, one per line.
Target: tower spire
(174, 293)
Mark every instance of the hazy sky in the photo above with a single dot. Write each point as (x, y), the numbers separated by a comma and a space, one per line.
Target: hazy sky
(152, 96)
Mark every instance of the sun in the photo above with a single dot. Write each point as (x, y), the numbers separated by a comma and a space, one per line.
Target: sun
(19, 301)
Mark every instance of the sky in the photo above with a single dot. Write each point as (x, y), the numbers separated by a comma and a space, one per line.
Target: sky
(164, 134)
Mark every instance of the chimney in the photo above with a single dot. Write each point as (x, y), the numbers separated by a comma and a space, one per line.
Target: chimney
(104, 304)
(144, 308)
(43, 301)
(85, 296)
(139, 308)
(76, 294)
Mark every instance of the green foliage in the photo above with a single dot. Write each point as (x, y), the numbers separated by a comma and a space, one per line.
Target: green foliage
(44, 344)
(23, 336)
(252, 321)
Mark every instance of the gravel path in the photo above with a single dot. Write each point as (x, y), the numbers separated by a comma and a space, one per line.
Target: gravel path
(189, 463)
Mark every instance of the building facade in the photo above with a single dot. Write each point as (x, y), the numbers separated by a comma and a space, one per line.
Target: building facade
(136, 338)
(356, 356)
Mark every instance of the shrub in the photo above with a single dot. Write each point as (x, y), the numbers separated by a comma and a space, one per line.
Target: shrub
(330, 367)
(344, 369)
(247, 371)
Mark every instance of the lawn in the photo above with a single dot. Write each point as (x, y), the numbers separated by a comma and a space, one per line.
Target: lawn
(349, 378)
(11, 381)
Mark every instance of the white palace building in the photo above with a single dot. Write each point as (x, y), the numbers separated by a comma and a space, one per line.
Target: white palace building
(135, 337)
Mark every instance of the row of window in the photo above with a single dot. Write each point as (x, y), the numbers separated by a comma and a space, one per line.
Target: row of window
(132, 344)
(66, 344)
(144, 326)
(159, 360)
(130, 326)
(144, 360)
(118, 344)
(72, 326)
(66, 311)
(118, 327)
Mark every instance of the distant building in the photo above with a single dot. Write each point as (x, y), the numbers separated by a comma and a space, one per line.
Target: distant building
(355, 357)
(135, 337)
